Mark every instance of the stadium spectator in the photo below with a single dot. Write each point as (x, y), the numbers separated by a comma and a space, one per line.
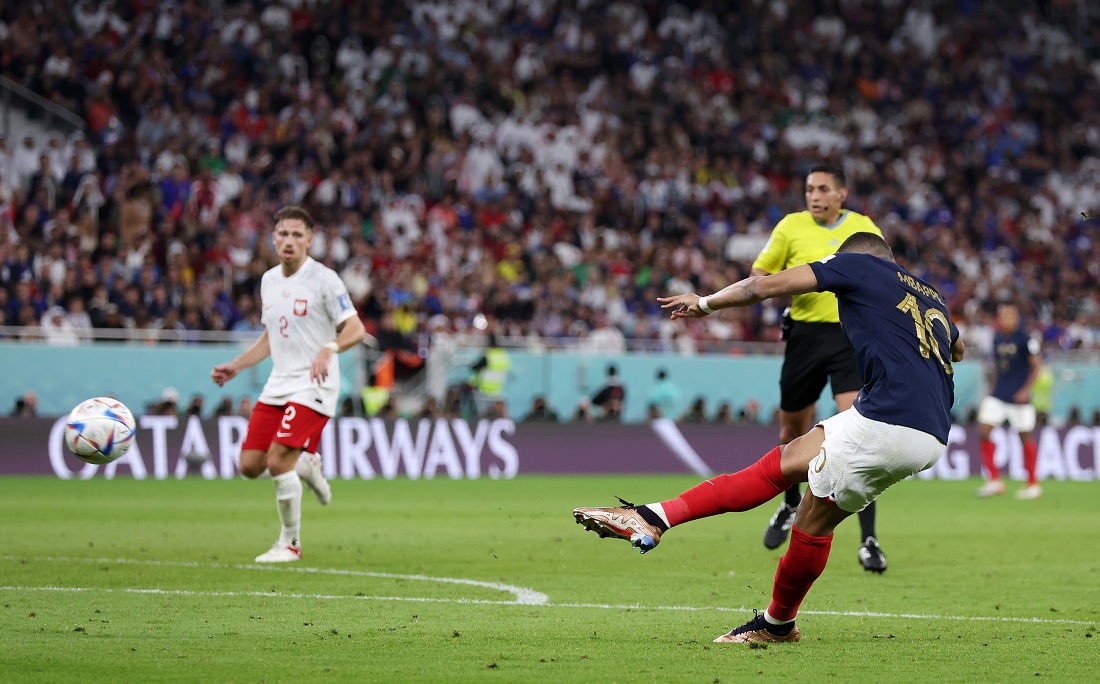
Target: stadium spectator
(609, 399)
(605, 337)
(429, 410)
(664, 395)
(79, 318)
(497, 409)
(195, 406)
(696, 413)
(540, 412)
(167, 405)
(749, 413)
(26, 406)
(224, 407)
(57, 329)
(584, 412)
(724, 414)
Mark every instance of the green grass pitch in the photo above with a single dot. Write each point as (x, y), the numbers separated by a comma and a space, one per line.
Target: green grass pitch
(491, 581)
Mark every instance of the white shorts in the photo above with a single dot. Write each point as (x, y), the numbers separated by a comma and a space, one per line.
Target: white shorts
(993, 411)
(861, 457)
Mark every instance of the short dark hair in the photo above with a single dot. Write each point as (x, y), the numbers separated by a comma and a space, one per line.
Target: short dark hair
(291, 211)
(833, 170)
(867, 243)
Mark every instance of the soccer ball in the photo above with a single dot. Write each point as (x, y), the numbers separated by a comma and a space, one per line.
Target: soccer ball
(99, 430)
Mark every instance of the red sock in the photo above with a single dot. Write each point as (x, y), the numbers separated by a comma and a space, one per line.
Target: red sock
(987, 459)
(741, 491)
(798, 568)
(1031, 458)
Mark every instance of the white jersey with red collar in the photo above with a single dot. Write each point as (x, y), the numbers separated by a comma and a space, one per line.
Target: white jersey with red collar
(301, 313)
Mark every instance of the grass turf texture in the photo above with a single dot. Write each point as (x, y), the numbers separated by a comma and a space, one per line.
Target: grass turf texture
(611, 616)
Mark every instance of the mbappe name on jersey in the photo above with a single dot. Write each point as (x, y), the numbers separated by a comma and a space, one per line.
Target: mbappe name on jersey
(920, 287)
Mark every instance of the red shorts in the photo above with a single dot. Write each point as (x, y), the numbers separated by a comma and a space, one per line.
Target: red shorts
(293, 425)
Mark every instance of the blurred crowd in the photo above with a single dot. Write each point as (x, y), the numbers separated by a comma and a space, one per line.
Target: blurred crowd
(552, 166)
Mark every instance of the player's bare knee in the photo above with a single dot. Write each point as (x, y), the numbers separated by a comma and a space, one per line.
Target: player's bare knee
(251, 470)
(819, 517)
(281, 458)
(273, 463)
(795, 457)
(252, 463)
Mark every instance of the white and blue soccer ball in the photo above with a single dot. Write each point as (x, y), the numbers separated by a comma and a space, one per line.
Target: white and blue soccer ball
(99, 430)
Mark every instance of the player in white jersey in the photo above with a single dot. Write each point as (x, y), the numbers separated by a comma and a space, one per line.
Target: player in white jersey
(305, 306)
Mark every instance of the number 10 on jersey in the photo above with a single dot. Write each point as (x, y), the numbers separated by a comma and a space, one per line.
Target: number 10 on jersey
(924, 323)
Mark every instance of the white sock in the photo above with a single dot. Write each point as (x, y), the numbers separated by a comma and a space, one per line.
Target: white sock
(288, 500)
(660, 511)
(772, 621)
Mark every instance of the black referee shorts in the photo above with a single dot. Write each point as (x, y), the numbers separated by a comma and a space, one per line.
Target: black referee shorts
(816, 353)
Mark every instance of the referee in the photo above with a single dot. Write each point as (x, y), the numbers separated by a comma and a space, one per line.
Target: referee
(817, 350)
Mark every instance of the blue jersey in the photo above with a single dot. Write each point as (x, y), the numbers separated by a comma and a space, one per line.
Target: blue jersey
(902, 335)
(1013, 354)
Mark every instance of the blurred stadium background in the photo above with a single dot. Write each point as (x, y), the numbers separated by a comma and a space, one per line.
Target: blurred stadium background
(532, 173)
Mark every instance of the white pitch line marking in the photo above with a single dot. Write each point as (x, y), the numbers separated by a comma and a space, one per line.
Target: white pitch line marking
(835, 613)
(598, 606)
(524, 596)
(543, 599)
(259, 594)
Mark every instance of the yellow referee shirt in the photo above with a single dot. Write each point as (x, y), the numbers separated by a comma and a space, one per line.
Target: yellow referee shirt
(799, 239)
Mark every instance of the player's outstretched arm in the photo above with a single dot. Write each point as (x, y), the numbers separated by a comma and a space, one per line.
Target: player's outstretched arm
(348, 334)
(797, 280)
(258, 351)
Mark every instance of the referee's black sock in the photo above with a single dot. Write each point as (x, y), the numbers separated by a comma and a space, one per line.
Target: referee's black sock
(867, 522)
(792, 497)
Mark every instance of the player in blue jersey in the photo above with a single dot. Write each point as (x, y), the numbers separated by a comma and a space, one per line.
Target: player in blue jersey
(904, 343)
(1016, 366)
